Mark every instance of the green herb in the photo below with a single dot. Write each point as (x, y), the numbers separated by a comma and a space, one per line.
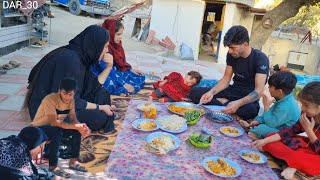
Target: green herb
(191, 116)
(201, 140)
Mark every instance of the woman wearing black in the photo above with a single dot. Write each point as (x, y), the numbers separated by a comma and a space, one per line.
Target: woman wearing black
(92, 102)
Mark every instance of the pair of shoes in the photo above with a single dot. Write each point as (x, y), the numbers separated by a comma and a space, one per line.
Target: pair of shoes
(37, 44)
(11, 65)
(78, 167)
(61, 173)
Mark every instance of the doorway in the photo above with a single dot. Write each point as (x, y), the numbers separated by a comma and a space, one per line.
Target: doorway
(211, 31)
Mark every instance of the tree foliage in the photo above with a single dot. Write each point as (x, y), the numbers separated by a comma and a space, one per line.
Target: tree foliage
(283, 13)
(309, 17)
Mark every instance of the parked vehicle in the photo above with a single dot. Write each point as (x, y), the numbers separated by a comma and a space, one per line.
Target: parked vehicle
(101, 7)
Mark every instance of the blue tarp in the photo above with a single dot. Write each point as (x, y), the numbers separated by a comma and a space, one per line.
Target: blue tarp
(305, 79)
(207, 83)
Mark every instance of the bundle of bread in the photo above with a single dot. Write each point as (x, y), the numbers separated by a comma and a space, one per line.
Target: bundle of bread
(163, 144)
(173, 122)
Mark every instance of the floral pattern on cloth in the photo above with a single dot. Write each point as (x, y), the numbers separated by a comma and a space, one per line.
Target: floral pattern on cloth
(130, 160)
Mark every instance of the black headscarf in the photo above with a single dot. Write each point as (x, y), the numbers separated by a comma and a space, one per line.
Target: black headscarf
(32, 137)
(89, 44)
(84, 50)
(15, 157)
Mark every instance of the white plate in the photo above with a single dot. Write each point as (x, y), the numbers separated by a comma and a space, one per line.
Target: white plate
(263, 158)
(184, 127)
(136, 123)
(174, 138)
(230, 134)
(185, 105)
(231, 163)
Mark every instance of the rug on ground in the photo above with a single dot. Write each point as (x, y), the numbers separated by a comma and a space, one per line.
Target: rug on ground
(96, 148)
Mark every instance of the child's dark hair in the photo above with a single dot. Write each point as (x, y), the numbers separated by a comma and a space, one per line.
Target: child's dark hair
(68, 84)
(119, 26)
(286, 81)
(196, 75)
(236, 35)
(311, 92)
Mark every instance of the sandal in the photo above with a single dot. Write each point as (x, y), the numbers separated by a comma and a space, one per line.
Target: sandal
(7, 66)
(61, 173)
(15, 64)
(78, 167)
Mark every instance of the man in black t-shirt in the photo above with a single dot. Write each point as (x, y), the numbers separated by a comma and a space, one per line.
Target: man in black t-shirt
(249, 68)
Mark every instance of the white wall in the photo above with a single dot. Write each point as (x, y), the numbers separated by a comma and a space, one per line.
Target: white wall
(232, 17)
(247, 19)
(278, 51)
(14, 34)
(180, 20)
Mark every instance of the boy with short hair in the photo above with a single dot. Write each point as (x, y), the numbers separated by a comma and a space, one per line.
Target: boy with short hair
(284, 113)
(50, 117)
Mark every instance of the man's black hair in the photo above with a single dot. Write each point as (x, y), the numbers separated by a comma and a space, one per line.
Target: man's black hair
(236, 35)
(68, 84)
(286, 81)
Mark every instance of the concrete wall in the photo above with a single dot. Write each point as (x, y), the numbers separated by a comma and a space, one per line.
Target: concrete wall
(278, 52)
(247, 20)
(232, 17)
(181, 20)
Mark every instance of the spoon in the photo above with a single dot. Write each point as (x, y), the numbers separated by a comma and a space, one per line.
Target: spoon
(206, 131)
(197, 105)
(136, 117)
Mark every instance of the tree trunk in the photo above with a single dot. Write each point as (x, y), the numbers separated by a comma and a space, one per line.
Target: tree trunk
(285, 10)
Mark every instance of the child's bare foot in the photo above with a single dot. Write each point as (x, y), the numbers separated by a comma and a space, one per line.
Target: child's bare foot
(288, 172)
(161, 100)
(244, 124)
(253, 136)
(150, 99)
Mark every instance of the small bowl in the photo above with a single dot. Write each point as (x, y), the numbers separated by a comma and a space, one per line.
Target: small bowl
(193, 122)
(199, 145)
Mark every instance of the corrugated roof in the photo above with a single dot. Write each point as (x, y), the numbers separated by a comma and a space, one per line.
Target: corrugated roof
(249, 3)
